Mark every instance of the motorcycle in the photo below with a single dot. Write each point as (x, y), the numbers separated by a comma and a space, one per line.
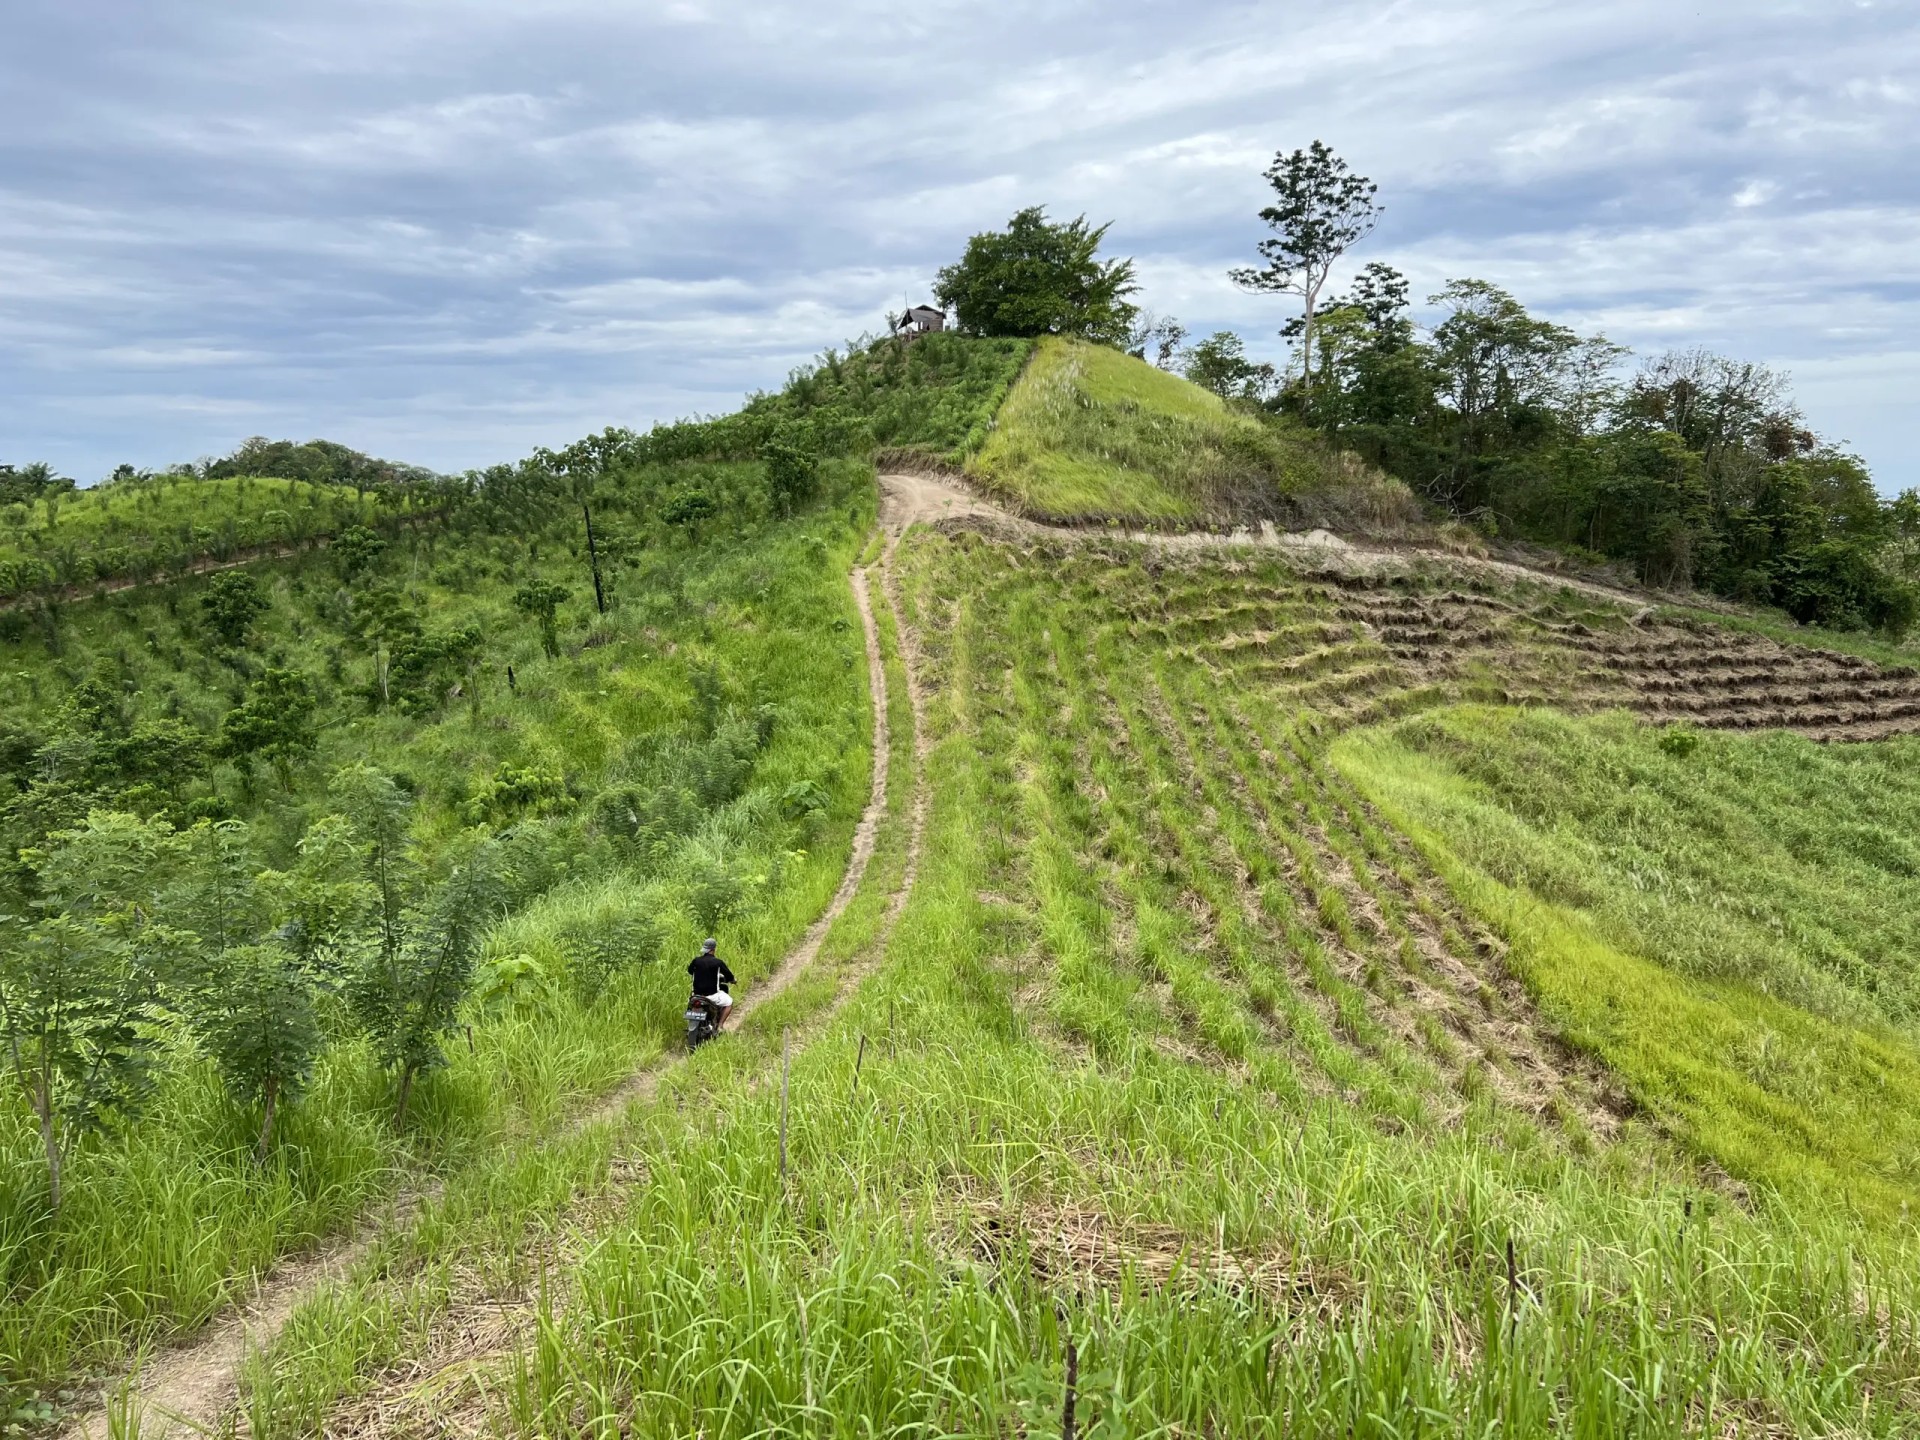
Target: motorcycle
(703, 1022)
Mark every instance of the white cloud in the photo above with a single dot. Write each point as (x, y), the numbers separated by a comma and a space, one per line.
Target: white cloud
(451, 230)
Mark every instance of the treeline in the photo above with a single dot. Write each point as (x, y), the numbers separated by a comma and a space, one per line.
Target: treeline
(1694, 469)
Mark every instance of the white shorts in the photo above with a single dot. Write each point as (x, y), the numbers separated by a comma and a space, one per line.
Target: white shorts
(722, 999)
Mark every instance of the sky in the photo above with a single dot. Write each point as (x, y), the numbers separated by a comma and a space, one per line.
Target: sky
(448, 231)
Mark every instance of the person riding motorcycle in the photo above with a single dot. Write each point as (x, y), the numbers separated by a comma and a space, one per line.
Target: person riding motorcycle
(710, 977)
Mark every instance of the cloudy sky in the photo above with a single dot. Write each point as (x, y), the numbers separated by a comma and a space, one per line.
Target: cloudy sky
(449, 230)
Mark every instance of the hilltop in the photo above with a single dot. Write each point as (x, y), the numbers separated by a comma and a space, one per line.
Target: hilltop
(1206, 974)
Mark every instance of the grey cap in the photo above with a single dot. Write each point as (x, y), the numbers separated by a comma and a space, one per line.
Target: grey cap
(709, 943)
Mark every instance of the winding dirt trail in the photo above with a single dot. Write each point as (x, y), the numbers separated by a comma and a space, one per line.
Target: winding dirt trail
(191, 1388)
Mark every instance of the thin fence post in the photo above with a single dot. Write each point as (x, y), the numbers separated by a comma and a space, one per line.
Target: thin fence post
(786, 1070)
(1069, 1422)
(857, 1061)
(1513, 1301)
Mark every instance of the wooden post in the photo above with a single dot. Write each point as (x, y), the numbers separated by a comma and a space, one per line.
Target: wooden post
(1513, 1308)
(1069, 1422)
(786, 1069)
(857, 1061)
(593, 561)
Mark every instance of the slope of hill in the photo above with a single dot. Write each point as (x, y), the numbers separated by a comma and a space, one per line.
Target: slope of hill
(1089, 435)
(1189, 1092)
(1265, 1014)
(694, 757)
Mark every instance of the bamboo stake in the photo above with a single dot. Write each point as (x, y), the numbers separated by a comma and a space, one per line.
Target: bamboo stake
(786, 1070)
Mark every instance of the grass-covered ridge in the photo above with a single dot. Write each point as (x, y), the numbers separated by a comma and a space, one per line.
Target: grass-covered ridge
(1179, 1056)
(1090, 434)
(1727, 921)
(146, 528)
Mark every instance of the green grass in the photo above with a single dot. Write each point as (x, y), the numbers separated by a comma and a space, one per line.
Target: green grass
(167, 1217)
(1731, 930)
(1125, 1080)
(141, 529)
(1089, 434)
(935, 396)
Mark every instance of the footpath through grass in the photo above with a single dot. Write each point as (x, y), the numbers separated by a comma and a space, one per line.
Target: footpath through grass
(1183, 1076)
(693, 760)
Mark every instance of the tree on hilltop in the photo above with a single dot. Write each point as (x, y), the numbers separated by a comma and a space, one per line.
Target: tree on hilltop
(1321, 210)
(1036, 278)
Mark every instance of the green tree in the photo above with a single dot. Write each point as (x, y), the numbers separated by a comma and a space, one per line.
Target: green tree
(542, 600)
(256, 1016)
(232, 602)
(324, 896)
(407, 991)
(1321, 210)
(354, 550)
(80, 984)
(1036, 278)
(1219, 363)
(274, 722)
(793, 466)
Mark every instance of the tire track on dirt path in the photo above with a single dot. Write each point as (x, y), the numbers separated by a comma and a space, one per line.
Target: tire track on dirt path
(191, 1387)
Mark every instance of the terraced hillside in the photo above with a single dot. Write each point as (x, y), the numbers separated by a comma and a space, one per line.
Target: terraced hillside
(1196, 1090)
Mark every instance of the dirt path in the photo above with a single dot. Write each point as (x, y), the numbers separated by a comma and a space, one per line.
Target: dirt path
(190, 1388)
(929, 499)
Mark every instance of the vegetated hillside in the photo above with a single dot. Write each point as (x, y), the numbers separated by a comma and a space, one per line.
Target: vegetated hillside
(1093, 435)
(1190, 1093)
(163, 525)
(195, 776)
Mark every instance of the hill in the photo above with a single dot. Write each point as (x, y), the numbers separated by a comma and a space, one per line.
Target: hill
(1294, 988)
(1090, 435)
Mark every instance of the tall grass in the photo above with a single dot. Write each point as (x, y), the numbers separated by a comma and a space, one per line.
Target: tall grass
(1117, 1086)
(167, 1217)
(1090, 434)
(1731, 927)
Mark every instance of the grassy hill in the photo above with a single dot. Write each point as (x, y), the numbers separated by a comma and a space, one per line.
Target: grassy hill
(1089, 435)
(1283, 1001)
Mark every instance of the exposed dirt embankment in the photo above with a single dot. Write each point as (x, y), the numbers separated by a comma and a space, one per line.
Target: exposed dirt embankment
(1414, 620)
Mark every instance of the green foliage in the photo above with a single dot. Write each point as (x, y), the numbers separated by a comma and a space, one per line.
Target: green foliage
(762, 611)
(80, 984)
(274, 722)
(410, 980)
(354, 549)
(1219, 363)
(148, 528)
(689, 509)
(1036, 278)
(512, 791)
(542, 600)
(231, 602)
(793, 466)
(255, 1014)
(1699, 471)
(318, 462)
(1320, 210)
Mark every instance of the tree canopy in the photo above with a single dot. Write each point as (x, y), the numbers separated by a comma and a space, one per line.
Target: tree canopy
(1038, 278)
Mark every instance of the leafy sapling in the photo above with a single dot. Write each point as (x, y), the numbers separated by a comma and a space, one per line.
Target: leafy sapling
(232, 602)
(542, 600)
(80, 984)
(256, 1016)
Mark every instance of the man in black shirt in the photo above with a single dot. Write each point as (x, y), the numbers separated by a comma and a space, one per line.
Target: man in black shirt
(710, 974)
